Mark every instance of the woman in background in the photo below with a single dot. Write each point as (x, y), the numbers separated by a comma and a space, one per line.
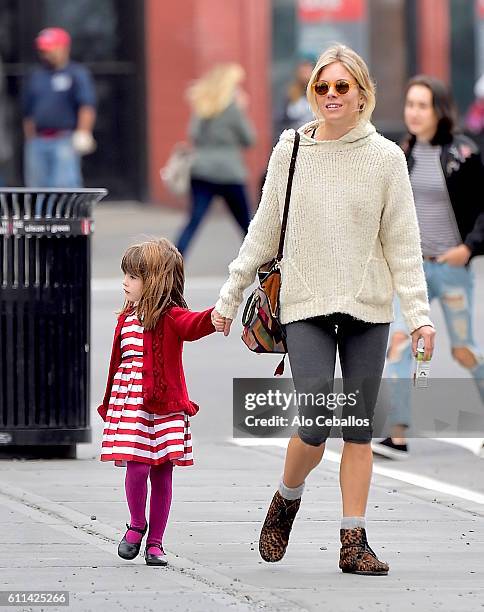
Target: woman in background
(219, 130)
(296, 110)
(447, 180)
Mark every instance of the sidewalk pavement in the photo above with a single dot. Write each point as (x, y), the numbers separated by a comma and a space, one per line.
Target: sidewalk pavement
(61, 520)
(51, 540)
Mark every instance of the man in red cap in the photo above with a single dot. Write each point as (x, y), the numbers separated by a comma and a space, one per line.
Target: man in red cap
(59, 114)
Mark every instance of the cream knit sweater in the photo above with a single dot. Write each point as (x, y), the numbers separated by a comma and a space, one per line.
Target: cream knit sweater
(352, 235)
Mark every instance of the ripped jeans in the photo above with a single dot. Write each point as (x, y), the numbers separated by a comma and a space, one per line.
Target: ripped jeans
(454, 288)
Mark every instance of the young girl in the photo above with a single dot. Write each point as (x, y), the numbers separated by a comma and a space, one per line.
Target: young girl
(146, 406)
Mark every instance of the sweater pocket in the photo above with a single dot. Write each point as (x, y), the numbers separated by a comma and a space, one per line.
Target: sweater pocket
(376, 287)
(294, 289)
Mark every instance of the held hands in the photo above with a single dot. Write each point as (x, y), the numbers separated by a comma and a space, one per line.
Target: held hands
(221, 324)
(428, 334)
(456, 256)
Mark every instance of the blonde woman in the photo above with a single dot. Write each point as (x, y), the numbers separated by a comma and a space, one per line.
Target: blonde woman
(352, 237)
(219, 130)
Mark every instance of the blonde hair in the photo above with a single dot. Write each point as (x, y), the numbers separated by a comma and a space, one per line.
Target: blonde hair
(160, 266)
(358, 69)
(214, 91)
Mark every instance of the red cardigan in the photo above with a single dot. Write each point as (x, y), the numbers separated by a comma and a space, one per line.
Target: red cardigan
(164, 387)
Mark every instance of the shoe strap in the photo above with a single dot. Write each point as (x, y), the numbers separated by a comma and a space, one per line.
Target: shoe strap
(367, 546)
(288, 505)
(370, 550)
(361, 549)
(137, 529)
(155, 545)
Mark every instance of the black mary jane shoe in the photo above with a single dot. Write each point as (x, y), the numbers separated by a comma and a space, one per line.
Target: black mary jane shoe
(151, 559)
(127, 550)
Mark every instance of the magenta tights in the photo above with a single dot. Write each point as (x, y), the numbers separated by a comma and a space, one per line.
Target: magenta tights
(136, 492)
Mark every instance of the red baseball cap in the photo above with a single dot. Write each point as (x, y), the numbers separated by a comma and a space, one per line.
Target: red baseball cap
(51, 38)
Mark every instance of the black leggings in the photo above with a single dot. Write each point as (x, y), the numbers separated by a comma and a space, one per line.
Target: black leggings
(203, 193)
(312, 347)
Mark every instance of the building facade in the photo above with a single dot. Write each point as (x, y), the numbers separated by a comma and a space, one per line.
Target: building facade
(144, 53)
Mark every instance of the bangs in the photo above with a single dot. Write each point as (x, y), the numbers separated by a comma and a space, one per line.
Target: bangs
(132, 261)
(160, 266)
(357, 68)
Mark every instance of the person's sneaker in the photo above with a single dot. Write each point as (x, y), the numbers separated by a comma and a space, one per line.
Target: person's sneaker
(274, 536)
(356, 556)
(387, 448)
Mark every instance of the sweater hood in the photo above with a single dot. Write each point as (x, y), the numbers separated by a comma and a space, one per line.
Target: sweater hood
(357, 136)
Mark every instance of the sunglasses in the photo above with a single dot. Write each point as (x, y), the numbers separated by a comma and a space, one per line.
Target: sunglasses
(341, 86)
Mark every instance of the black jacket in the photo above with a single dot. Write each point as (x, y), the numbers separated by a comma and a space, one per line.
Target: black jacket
(464, 175)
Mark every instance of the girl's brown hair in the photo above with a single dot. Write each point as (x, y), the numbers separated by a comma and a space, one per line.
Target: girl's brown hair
(160, 266)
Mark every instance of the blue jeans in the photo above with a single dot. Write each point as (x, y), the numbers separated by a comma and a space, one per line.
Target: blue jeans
(454, 288)
(52, 162)
(202, 193)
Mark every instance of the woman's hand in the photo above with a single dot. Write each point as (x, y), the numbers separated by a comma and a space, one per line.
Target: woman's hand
(221, 324)
(456, 256)
(428, 334)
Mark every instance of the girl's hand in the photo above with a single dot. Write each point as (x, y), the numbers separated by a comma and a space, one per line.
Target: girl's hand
(456, 256)
(218, 321)
(428, 334)
(221, 324)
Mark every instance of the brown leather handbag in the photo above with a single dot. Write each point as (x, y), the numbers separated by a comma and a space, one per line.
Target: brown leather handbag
(263, 331)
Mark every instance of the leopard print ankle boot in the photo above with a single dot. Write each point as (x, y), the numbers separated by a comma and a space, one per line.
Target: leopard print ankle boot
(356, 556)
(274, 536)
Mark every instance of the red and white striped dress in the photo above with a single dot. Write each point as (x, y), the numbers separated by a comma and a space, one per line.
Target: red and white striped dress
(131, 433)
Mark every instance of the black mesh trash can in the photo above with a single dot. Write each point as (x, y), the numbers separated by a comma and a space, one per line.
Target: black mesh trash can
(45, 274)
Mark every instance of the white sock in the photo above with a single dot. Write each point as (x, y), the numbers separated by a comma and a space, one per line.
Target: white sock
(350, 522)
(289, 493)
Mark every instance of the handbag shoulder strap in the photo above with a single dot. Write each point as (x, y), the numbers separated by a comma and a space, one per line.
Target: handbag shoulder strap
(292, 166)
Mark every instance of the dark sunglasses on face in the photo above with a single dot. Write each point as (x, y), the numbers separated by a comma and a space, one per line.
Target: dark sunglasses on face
(341, 86)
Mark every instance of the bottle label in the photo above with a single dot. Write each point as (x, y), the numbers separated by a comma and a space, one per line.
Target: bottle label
(422, 370)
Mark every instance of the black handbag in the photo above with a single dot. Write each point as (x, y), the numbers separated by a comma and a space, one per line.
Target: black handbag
(263, 331)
